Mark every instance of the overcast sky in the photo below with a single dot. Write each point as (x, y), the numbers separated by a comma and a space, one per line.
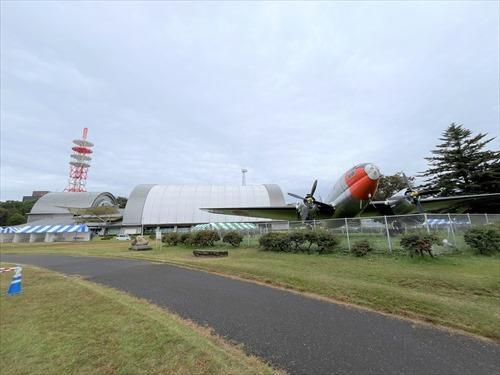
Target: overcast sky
(180, 92)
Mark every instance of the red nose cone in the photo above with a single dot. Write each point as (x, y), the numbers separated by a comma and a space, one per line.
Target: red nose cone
(360, 184)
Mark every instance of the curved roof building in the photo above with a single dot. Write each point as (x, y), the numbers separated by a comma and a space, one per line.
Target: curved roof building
(173, 205)
(53, 207)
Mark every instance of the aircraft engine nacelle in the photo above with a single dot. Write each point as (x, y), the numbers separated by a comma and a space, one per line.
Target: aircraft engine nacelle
(401, 203)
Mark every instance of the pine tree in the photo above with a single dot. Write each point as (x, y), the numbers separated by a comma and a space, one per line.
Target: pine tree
(461, 165)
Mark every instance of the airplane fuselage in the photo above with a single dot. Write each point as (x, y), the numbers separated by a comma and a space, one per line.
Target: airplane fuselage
(353, 191)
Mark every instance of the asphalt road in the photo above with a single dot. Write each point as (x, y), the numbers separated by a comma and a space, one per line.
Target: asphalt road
(299, 334)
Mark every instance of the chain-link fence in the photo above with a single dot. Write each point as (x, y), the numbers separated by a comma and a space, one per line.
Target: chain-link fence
(384, 232)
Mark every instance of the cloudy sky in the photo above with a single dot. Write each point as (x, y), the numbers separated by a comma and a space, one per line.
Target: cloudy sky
(181, 92)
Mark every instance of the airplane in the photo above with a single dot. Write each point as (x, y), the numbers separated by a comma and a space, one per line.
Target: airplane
(351, 196)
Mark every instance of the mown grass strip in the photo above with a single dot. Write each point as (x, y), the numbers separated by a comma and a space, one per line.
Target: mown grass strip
(62, 325)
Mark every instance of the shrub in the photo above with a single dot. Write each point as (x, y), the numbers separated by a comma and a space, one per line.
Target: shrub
(300, 240)
(325, 241)
(361, 248)
(232, 238)
(171, 239)
(185, 238)
(418, 244)
(152, 236)
(311, 238)
(204, 238)
(296, 239)
(484, 241)
(107, 237)
(275, 241)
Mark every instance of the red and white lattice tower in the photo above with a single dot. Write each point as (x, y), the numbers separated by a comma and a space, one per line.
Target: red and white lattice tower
(79, 163)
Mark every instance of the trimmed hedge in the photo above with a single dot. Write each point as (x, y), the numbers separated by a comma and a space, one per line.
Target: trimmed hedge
(320, 241)
(418, 244)
(361, 248)
(233, 238)
(204, 238)
(185, 238)
(484, 241)
(171, 239)
(274, 241)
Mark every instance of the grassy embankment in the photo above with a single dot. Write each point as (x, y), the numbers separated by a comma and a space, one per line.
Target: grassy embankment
(459, 291)
(62, 325)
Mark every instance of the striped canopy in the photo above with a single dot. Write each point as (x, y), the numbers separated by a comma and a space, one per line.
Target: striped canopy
(69, 228)
(225, 226)
(438, 221)
(433, 222)
(9, 229)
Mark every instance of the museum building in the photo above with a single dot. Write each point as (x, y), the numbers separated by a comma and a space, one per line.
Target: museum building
(70, 215)
(178, 206)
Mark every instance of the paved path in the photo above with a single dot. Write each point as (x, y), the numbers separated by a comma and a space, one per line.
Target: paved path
(299, 334)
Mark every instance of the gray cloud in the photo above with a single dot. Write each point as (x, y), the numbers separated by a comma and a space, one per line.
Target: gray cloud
(192, 92)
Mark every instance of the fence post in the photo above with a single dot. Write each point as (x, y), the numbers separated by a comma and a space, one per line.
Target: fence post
(468, 217)
(486, 216)
(347, 232)
(388, 236)
(452, 230)
(427, 224)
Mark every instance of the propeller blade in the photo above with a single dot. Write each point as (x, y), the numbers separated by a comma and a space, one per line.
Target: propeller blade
(419, 206)
(313, 189)
(296, 196)
(323, 205)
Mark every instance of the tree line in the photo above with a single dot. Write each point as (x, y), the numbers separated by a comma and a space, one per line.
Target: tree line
(14, 212)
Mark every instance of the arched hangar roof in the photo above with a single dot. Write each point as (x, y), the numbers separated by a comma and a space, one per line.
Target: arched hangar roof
(180, 204)
(54, 203)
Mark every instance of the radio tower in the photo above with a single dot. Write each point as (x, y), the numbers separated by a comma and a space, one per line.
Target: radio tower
(79, 163)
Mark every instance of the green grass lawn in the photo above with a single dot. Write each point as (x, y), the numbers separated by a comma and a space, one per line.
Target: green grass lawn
(460, 291)
(64, 325)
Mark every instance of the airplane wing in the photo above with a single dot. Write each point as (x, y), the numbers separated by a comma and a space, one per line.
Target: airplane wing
(288, 213)
(100, 210)
(460, 203)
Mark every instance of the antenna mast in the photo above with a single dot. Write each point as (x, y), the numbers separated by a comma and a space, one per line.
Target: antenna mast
(79, 164)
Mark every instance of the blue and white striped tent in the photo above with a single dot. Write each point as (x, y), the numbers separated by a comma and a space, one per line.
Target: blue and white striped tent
(69, 228)
(9, 230)
(437, 222)
(225, 226)
(433, 222)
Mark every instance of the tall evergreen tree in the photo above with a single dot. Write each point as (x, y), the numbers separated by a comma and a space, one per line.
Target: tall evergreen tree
(461, 165)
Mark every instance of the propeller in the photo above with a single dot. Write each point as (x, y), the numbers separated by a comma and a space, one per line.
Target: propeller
(414, 195)
(309, 203)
